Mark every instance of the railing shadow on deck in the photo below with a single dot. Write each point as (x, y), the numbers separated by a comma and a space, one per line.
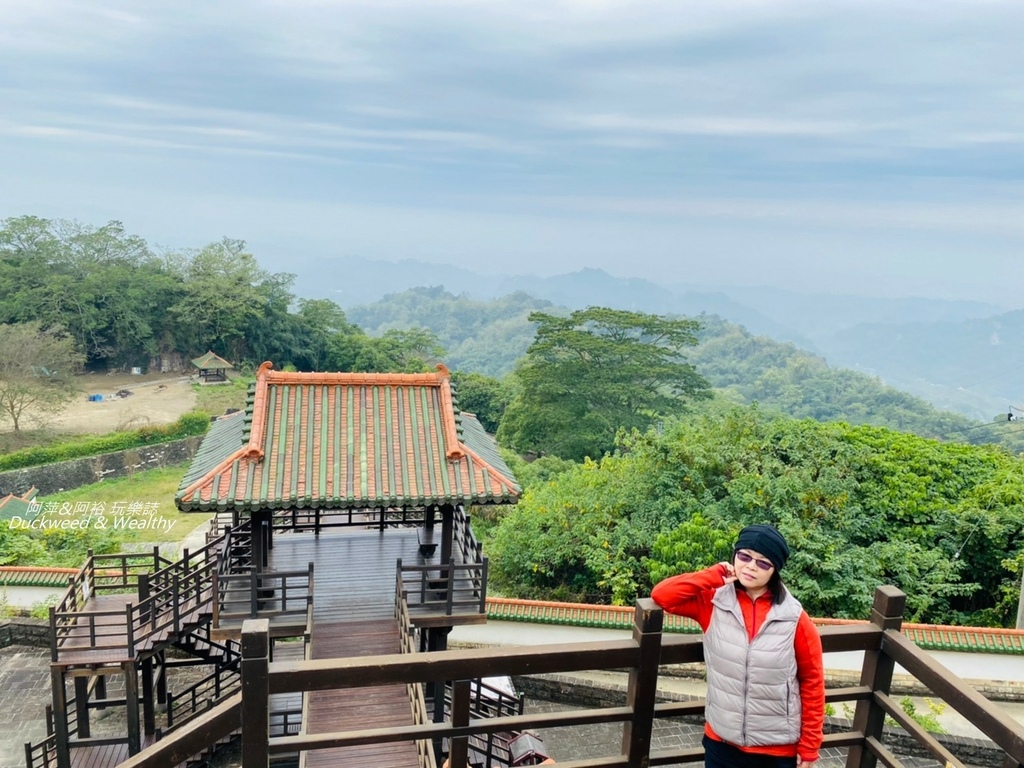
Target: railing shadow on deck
(881, 642)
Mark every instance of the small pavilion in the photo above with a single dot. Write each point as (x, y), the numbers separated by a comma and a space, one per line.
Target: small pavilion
(319, 450)
(212, 367)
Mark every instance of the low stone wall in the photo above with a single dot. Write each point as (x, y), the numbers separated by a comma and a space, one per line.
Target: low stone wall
(65, 475)
(35, 632)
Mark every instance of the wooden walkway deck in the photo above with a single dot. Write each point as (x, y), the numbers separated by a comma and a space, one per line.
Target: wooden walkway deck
(353, 615)
(104, 756)
(354, 569)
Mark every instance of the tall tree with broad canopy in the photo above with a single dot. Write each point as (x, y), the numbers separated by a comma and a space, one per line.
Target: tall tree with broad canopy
(599, 370)
(36, 368)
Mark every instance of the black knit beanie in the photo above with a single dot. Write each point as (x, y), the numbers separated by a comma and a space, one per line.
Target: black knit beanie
(767, 540)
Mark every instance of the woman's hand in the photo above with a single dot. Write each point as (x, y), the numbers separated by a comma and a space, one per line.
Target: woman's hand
(801, 763)
(730, 574)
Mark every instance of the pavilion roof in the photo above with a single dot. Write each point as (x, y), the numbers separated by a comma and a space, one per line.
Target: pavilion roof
(211, 361)
(20, 506)
(347, 441)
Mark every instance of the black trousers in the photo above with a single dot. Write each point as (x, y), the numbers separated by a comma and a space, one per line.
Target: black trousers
(718, 754)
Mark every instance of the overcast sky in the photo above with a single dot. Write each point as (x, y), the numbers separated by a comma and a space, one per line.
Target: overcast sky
(863, 147)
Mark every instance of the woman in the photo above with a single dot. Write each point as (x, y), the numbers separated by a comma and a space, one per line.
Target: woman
(766, 683)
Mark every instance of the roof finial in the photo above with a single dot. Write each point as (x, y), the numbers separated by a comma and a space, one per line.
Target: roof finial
(442, 371)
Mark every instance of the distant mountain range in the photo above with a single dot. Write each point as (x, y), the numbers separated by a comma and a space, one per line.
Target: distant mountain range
(960, 355)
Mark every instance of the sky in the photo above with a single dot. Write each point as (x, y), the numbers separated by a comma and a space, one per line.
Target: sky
(854, 147)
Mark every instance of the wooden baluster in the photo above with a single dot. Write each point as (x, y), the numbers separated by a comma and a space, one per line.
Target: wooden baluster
(451, 587)
(176, 602)
(458, 753)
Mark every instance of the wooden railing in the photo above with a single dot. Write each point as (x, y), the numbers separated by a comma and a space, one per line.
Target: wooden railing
(443, 589)
(117, 573)
(409, 643)
(465, 547)
(320, 519)
(270, 594)
(881, 641)
(203, 695)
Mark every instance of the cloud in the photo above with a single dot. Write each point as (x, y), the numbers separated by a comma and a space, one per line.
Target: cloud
(646, 121)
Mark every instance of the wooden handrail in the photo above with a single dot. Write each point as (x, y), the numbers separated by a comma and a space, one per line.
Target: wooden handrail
(881, 640)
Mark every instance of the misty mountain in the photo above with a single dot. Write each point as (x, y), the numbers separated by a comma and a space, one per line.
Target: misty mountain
(959, 355)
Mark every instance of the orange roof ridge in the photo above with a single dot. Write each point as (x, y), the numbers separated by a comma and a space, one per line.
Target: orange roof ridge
(456, 449)
(36, 569)
(245, 452)
(259, 410)
(344, 377)
(494, 470)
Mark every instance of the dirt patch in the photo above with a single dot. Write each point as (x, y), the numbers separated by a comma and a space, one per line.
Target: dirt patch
(154, 400)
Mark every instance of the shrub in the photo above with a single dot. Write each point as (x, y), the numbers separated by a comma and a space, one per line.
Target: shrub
(192, 423)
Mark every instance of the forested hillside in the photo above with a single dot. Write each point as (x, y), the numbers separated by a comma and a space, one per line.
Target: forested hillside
(744, 367)
(656, 436)
(122, 303)
(481, 336)
(860, 506)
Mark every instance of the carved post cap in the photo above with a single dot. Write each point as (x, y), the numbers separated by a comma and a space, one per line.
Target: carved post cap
(889, 601)
(255, 638)
(649, 615)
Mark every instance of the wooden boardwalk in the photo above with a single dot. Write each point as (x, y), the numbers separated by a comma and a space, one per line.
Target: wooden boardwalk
(353, 615)
(104, 756)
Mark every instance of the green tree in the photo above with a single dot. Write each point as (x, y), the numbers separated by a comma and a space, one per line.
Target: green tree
(222, 300)
(36, 369)
(483, 396)
(859, 505)
(597, 371)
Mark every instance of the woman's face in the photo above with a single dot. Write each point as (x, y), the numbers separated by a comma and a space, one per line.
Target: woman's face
(750, 573)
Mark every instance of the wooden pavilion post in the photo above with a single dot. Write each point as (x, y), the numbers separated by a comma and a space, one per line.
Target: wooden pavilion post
(131, 698)
(82, 706)
(447, 534)
(60, 717)
(876, 674)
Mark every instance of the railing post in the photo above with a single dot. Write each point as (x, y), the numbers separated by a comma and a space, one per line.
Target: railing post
(53, 633)
(458, 751)
(215, 599)
(643, 682)
(483, 588)
(255, 693)
(868, 718)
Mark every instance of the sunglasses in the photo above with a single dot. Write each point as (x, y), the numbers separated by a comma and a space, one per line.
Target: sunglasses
(764, 565)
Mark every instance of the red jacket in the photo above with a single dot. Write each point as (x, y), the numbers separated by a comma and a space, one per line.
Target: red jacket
(690, 595)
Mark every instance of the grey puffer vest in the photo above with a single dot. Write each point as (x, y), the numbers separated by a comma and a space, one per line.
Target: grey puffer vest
(753, 697)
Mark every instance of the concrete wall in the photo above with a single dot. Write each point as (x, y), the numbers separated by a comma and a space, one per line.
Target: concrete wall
(65, 475)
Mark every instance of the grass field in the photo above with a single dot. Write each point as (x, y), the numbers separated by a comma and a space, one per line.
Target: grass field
(147, 498)
(217, 398)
